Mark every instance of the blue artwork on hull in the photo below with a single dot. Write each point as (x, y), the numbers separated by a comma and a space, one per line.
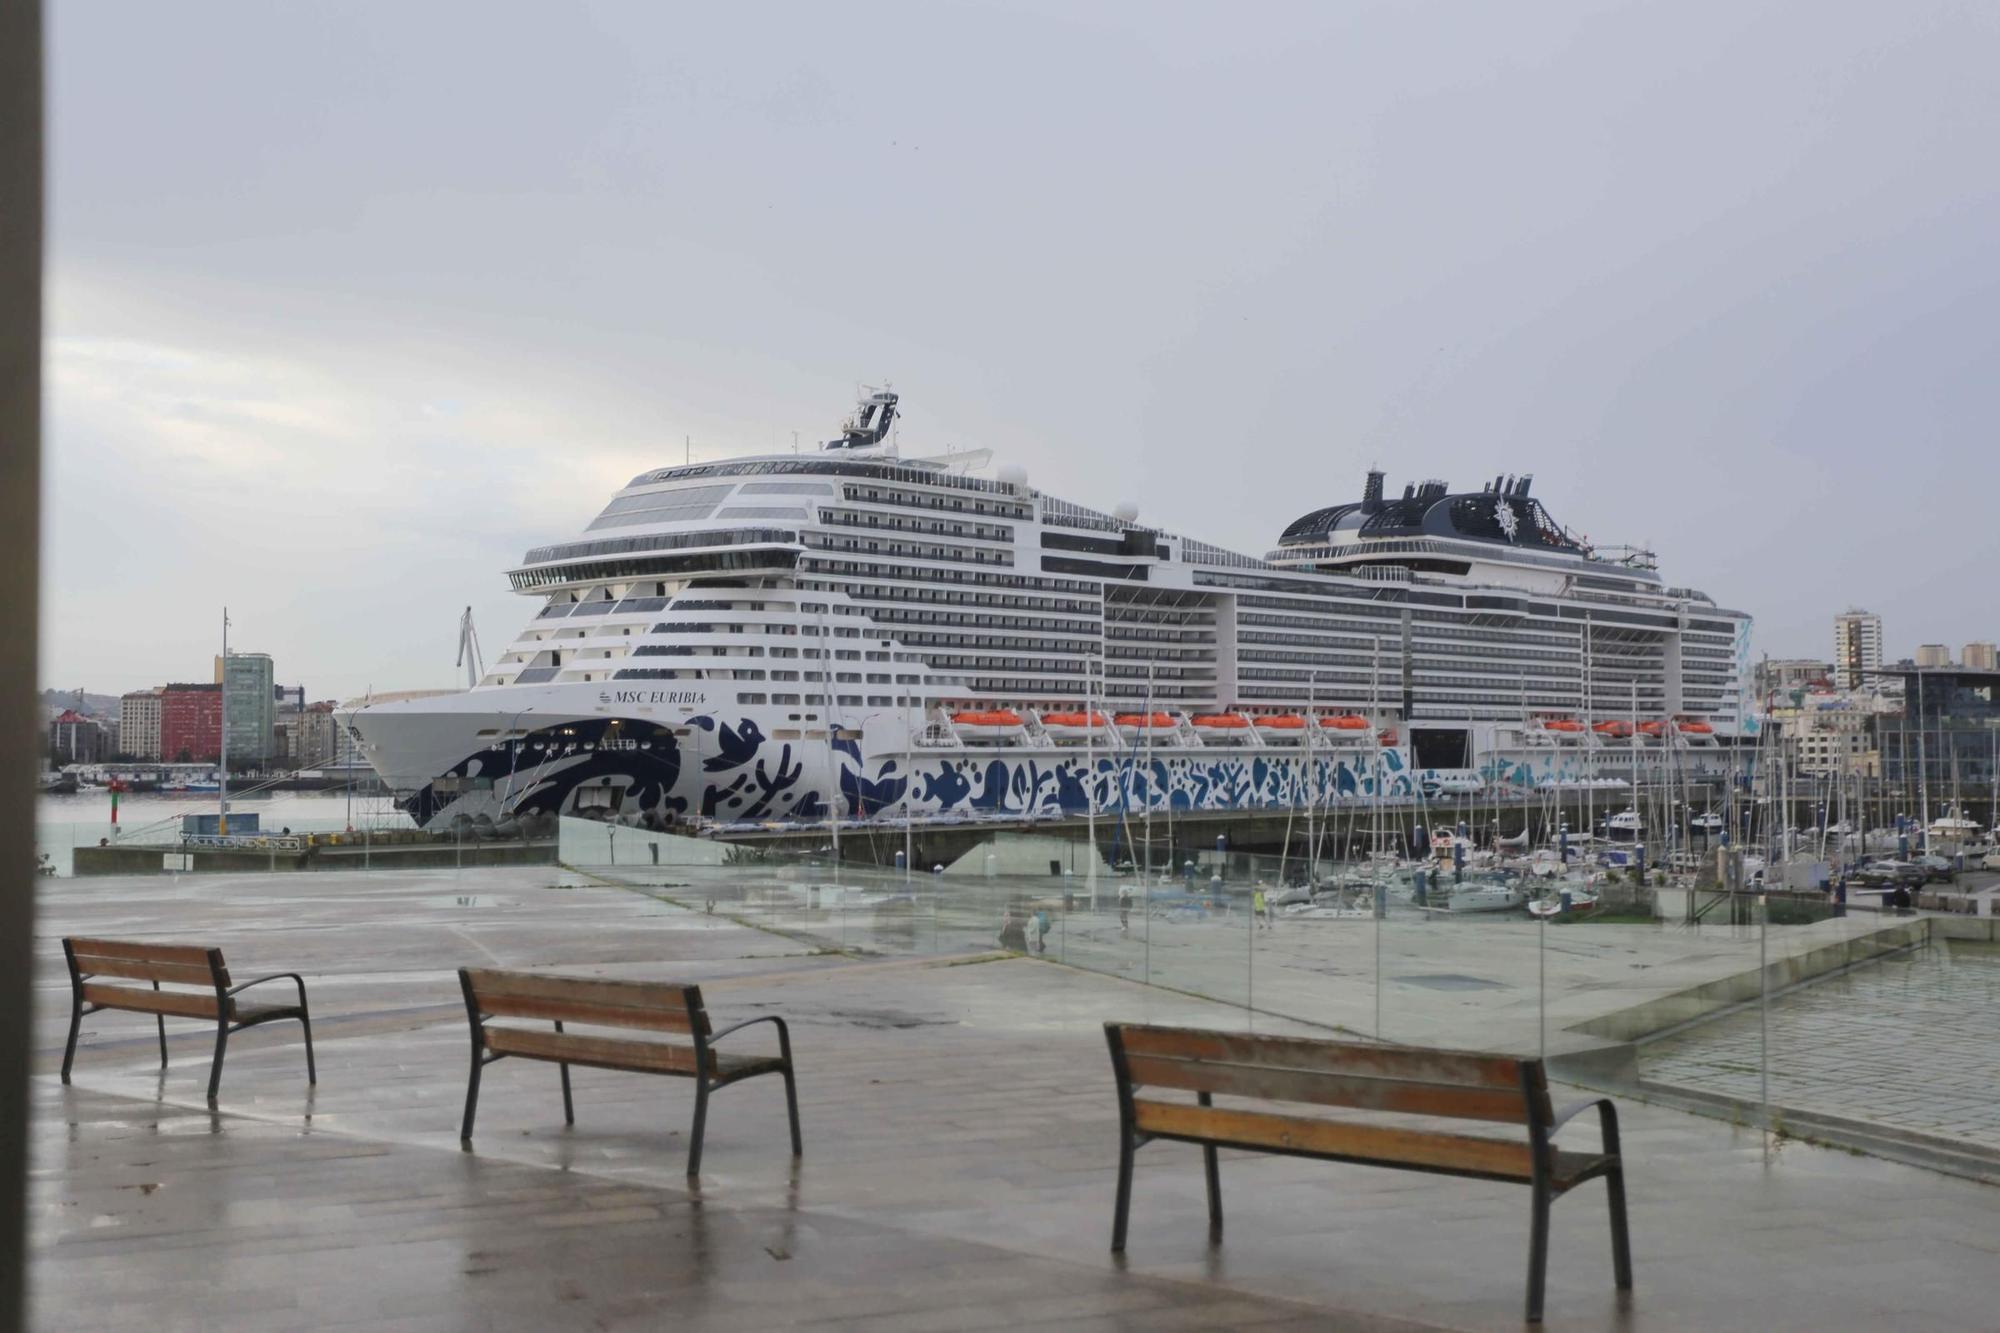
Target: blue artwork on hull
(642, 772)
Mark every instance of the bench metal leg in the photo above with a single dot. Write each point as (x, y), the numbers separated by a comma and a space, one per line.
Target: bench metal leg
(1123, 1207)
(161, 1019)
(1538, 1254)
(569, 1107)
(1621, 1239)
(215, 1070)
(312, 1070)
(471, 1098)
(700, 1124)
(1214, 1174)
(792, 1109)
(75, 1026)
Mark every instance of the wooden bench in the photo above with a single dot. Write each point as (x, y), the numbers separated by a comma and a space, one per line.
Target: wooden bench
(1401, 1080)
(644, 1005)
(213, 998)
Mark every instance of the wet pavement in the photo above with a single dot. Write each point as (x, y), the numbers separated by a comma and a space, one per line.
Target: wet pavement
(960, 1150)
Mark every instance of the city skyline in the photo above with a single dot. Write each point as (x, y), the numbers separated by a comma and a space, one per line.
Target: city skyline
(341, 361)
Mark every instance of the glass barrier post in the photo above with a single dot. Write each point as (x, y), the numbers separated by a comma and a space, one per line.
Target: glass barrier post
(1147, 925)
(1764, 1011)
(1542, 985)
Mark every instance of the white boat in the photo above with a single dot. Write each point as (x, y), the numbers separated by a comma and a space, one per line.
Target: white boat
(1570, 902)
(1953, 830)
(845, 632)
(1707, 822)
(1626, 824)
(1503, 895)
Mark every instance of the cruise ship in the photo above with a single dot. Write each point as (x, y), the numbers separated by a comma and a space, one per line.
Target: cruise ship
(852, 634)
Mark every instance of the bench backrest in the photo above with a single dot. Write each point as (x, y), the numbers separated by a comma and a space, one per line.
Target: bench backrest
(660, 1006)
(132, 960)
(169, 964)
(1410, 1080)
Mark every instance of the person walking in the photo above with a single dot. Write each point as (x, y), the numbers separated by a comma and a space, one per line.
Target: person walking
(1124, 909)
(1260, 909)
(1041, 930)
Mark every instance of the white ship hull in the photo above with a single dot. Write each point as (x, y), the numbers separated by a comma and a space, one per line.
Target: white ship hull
(493, 754)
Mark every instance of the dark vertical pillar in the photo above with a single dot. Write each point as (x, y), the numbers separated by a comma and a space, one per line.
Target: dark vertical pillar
(20, 535)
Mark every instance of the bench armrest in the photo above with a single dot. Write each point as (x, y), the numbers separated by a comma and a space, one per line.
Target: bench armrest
(784, 1033)
(293, 977)
(1607, 1117)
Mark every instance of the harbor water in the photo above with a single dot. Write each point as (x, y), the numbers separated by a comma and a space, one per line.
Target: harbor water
(64, 823)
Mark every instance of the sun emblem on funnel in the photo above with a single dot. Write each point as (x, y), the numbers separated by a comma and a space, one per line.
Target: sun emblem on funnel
(1510, 523)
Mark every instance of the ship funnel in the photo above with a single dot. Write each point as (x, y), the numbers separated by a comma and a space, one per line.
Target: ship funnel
(1371, 496)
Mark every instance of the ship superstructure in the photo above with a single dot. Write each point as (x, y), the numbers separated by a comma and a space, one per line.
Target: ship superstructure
(854, 632)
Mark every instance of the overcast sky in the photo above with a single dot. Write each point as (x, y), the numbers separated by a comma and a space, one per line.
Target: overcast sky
(350, 305)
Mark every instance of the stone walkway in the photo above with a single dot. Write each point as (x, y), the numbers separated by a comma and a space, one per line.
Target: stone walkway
(1909, 1042)
(959, 1127)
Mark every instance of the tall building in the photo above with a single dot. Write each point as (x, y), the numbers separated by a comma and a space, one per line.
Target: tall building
(308, 737)
(1945, 731)
(190, 724)
(75, 738)
(249, 706)
(1933, 655)
(139, 724)
(1981, 657)
(1857, 649)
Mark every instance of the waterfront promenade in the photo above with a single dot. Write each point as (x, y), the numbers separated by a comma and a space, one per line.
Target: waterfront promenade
(960, 1149)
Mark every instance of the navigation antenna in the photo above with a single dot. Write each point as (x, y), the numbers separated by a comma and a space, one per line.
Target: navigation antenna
(468, 650)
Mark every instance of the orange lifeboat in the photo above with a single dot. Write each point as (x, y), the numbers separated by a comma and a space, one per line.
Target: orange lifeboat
(1653, 730)
(1090, 721)
(987, 724)
(1386, 736)
(1217, 728)
(1344, 722)
(1617, 730)
(1133, 726)
(1696, 728)
(1073, 726)
(1568, 726)
(1282, 722)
